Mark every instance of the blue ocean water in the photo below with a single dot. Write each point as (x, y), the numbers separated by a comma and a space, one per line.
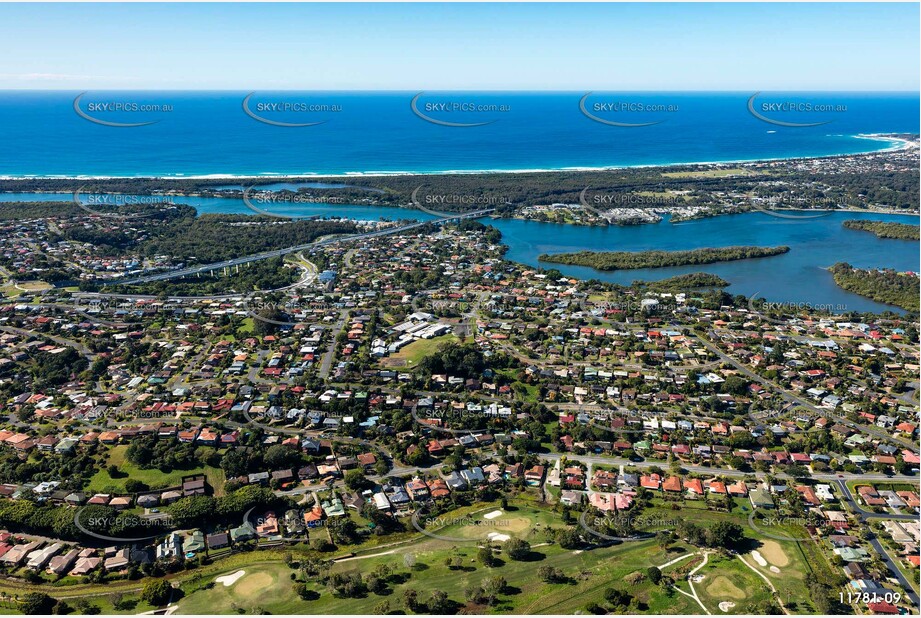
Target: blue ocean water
(210, 133)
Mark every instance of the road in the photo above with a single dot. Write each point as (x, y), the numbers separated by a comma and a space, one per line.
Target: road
(202, 268)
(884, 555)
(597, 459)
(69, 343)
(330, 355)
(793, 398)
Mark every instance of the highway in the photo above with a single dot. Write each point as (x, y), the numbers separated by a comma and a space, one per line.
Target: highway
(202, 268)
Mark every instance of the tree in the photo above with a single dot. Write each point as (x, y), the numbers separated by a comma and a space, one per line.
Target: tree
(568, 538)
(486, 556)
(438, 603)
(664, 538)
(37, 603)
(493, 587)
(156, 592)
(724, 534)
(654, 574)
(551, 575)
(617, 598)
(517, 549)
(355, 480)
(411, 599)
(382, 608)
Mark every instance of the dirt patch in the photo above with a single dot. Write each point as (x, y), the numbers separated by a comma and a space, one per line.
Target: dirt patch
(722, 587)
(774, 553)
(253, 586)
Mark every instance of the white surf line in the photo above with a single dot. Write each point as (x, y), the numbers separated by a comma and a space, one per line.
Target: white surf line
(767, 581)
(691, 583)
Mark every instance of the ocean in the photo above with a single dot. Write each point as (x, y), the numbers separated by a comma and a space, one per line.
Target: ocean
(211, 133)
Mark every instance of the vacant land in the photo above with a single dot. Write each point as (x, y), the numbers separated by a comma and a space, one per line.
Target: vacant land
(103, 481)
(417, 350)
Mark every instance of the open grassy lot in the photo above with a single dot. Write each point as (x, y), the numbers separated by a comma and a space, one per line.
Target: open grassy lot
(414, 352)
(102, 481)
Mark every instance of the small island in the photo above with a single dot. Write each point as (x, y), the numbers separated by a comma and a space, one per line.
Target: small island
(882, 285)
(885, 229)
(626, 260)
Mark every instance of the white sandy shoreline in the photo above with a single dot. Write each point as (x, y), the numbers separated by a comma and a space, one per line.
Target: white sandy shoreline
(898, 144)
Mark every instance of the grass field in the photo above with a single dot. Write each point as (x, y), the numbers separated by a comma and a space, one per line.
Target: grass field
(102, 481)
(267, 586)
(726, 579)
(794, 560)
(414, 352)
(711, 173)
(590, 573)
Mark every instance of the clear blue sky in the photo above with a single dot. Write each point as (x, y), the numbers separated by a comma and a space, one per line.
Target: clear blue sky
(715, 46)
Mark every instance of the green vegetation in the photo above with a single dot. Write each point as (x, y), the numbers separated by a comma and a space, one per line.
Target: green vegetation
(267, 274)
(211, 238)
(885, 229)
(622, 260)
(690, 281)
(417, 350)
(172, 461)
(883, 286)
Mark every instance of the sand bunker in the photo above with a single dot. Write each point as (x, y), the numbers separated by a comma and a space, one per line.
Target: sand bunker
(492, 515)
(759, 558)
(495, 536)
(229, 580)
(725, 606)
(774, 569)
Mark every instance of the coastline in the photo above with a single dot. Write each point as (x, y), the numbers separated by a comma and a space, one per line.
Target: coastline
(896, 144)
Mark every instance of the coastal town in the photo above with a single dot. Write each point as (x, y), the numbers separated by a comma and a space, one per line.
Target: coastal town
(407, 421)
